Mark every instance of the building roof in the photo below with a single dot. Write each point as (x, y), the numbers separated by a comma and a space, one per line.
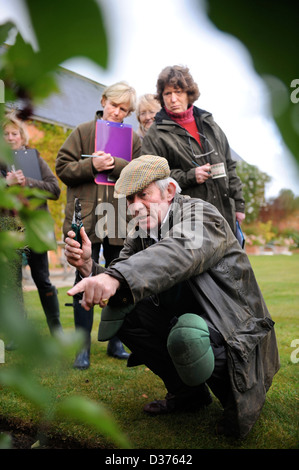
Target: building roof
(77, 101)
(235, 155)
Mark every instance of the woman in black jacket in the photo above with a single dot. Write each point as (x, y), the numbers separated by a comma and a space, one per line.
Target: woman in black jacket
(196, 148)
(16, 136)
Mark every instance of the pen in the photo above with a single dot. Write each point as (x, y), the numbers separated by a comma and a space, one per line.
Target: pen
(88, 155)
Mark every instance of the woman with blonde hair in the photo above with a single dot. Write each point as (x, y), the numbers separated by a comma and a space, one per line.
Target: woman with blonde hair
(147, 108)
(120, 93)
(78, 174)
(16, 136)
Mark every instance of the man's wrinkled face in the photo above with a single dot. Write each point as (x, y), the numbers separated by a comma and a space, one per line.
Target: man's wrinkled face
(149, 206)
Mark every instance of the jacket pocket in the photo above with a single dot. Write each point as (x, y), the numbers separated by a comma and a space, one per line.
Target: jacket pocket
(243, 352)
(245, 374)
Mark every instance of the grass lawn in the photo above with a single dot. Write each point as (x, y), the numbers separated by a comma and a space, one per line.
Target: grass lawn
(125, 390)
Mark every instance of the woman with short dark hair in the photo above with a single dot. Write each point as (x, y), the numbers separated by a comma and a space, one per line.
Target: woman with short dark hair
(196, 148)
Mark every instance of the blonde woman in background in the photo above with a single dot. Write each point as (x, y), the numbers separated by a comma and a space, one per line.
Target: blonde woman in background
(15, 135)
(147, 108)
(78, 173)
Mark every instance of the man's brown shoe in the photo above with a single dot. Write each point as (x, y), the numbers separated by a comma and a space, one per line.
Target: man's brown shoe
(171, 404)
(157, 407)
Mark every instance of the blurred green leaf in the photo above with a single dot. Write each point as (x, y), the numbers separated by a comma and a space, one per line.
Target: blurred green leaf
(11, 241)
(24, 73)
(5, 441)
(21, 381)
(64, 30)
(4, 30)
(15, 197)
(268, 30)
(5, 150)
(9, 200)
(34, 347)
(39, 230)
(95, 415)
(69, 29)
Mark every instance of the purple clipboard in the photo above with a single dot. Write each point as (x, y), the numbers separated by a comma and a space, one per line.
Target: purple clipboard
(114, 138)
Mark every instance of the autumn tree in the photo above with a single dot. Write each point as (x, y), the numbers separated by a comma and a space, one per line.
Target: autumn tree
(254, 183)
(280, 207)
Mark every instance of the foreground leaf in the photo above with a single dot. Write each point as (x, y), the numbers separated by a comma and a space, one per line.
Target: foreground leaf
(5, 441)
(39, 230)
(22, 381)
(95, 415)
(69, 29)
(11, 241)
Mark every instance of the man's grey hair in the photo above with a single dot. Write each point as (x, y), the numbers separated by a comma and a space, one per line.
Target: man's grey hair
(163, 184)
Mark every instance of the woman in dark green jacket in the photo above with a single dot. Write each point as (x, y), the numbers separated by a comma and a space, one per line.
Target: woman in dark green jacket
(196, 148)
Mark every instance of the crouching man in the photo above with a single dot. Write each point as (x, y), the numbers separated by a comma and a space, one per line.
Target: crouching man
(182, 296)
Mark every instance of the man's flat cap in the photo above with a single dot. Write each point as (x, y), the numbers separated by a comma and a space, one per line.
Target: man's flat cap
(139, 173)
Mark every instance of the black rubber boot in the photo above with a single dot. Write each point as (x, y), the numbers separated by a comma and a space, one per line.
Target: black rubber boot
(116, 349)
(49, 301)
(83, 322)
(82, 360)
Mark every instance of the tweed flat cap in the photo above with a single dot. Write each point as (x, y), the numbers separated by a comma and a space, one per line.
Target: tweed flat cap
(139, 173)
(190, 349)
